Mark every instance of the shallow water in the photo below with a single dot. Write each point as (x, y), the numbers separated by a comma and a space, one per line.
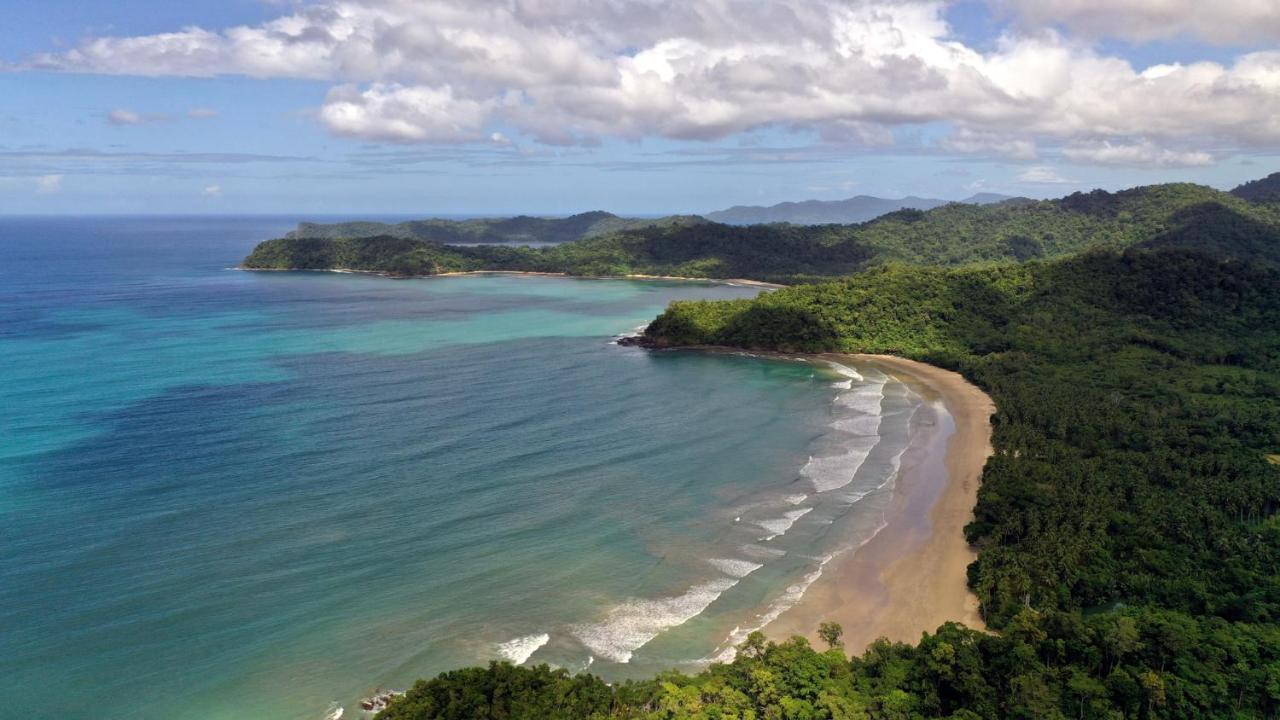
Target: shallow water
(231, 494)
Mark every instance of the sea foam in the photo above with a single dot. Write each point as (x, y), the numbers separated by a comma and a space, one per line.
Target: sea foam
(630, 625)
(779, 526)
(735, 568)
(831, 472)
(858, 412)
(864, 398)
(519, 650)
(847, 371)
(762, 552)
(792, 595)
(787, 600)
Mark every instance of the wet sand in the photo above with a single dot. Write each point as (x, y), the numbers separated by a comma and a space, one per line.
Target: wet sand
(348, 271)
(910, 577)
(718, 281)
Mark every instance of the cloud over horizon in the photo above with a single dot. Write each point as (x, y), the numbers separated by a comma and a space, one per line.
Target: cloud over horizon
(1220, 21)
(576, 71)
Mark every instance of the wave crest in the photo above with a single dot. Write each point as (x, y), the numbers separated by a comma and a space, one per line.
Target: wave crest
(518, 650)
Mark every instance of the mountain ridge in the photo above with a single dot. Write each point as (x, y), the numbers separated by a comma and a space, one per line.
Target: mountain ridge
(856, 209)
(515, 229)
(1262, 190)
(1175, 215)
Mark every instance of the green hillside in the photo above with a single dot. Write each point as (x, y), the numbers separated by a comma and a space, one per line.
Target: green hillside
(1176, 215)
(519, 229)
(1264, 190)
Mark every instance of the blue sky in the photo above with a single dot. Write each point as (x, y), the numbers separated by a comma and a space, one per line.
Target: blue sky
(388, 107)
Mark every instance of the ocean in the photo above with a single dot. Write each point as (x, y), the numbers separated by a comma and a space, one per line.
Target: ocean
(228, 494)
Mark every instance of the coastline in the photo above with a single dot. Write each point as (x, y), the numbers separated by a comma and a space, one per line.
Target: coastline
(633, 276)
(911, 576)
(348, 271)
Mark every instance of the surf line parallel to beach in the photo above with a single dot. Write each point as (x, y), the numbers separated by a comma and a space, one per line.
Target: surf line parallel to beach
(910, 577)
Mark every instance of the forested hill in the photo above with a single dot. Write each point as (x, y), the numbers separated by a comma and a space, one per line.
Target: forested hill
(1265, 190)
(1175, 215)
(1138, 397)
(1127, 527)
(519, 229)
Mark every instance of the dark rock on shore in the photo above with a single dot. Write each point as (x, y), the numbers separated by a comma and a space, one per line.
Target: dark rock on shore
(643, 341)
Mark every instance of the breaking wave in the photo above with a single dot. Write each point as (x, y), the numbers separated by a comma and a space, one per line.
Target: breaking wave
(632, 624)
(735, 568)
(779, 526)
(519, 650)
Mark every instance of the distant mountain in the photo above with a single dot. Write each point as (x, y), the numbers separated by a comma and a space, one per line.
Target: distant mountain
(987, 198)
(856, 209)
(520, 229)
(1266, 189)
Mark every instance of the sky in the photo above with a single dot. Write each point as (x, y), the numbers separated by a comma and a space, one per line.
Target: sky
(381, 107)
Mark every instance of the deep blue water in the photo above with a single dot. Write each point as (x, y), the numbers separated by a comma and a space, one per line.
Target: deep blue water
(229, 494)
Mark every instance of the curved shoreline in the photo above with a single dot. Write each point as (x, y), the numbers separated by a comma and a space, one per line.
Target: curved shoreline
(911, 576)
(348, 271)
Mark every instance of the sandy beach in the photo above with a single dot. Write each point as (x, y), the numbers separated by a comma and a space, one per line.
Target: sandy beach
(910, 577)
(725, 281)
(348, 271)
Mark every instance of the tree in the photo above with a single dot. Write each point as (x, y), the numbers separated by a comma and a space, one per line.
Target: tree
(832, 634)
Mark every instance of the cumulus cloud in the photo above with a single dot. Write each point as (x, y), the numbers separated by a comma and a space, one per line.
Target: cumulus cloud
(406, 114)
(574, 71)
(1142, 153)
(1218, 21)
(124, 117)
(1042, 175)
(49, 184)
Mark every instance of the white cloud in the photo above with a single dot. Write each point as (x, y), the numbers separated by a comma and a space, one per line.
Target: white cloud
(202, 113)
(968, 140)
(212, 191)
(1042, 175)
(49, 184)
(405, 114)
(124, 117)
(1218, 21)
(1142, 153)
(121, 116)
(574, 71)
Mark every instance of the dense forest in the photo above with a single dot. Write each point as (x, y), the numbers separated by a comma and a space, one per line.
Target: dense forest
(1265, 190)
(1129, 547)
(1175, 215)
(519, 229)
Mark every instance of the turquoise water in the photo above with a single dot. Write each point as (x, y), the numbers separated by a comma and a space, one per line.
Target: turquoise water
(231, 494)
